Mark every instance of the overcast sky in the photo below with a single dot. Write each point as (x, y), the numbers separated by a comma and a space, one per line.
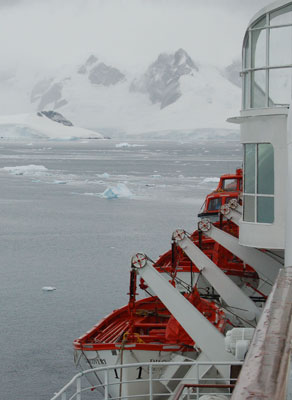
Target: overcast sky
(44, 34)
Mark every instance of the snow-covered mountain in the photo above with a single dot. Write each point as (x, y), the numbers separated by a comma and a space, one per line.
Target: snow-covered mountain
(42, 125)
(174, 93)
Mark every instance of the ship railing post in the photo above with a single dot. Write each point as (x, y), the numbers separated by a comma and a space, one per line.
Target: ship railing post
(198, 377)
(78, 388)
(188, 394)
(106, 384)
(150, 383)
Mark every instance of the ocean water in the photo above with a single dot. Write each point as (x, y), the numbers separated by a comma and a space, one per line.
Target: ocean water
(59, 229)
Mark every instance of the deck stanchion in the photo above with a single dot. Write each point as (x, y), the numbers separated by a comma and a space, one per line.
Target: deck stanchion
(78, 388)
(150, 383)
(188, 394)
(106, 384)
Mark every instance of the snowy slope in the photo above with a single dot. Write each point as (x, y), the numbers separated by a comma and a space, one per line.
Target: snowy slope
(174, 93)
(39, 126)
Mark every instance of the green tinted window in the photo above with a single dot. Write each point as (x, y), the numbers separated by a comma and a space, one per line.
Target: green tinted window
(249, 168)
(265, 169)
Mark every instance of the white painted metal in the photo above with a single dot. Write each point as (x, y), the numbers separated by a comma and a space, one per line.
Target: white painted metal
(260, 261)
(288, 236)
(234, 216)
(270, 128)
(204, 334)
(242, 305)
(70, 389)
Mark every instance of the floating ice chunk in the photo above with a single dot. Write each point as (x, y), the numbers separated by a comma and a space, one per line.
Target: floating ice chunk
(125, 144)
(104, 175)
(211, 179)
(32, 170)
(60, 182)
(48, 288)
(120, 145)
(114, 192)
(156, 176)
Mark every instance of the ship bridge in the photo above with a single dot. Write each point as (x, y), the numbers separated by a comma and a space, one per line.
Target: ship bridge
(266, 97)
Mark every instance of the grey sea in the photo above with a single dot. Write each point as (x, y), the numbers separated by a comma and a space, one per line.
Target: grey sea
(72, 214)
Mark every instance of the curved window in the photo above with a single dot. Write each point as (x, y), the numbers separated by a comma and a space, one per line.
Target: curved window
(267, 60)
(258, 196)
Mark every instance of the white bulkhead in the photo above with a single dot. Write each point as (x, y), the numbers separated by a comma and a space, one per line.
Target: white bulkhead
(267, 86)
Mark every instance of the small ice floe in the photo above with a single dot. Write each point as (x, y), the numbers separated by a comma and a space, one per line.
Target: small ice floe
(104, 175)
(48, 288)
(211, 179)
(125, 144)
(30, 170)
(60, 182)
(114, 192)
(156, 176)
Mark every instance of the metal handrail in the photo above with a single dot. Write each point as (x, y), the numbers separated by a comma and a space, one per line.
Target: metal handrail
(199, 385)
(76, 380)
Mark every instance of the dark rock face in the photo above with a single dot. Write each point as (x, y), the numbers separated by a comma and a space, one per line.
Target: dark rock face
(100, 73)
(232, 73)
(90, 61)
(55, 116)
(161, 80)
(47, 93)
(105, 75)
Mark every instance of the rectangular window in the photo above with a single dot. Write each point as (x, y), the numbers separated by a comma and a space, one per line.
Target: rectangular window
(249, 168)
(265, 209)
(258, 89)
(249, 208)
(280, 86)
(265, 167)
(214, 204)
(258, 48)
(258, 205)
(230, 185)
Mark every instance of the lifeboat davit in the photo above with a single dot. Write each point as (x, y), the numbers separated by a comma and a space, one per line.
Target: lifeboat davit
(144, 330)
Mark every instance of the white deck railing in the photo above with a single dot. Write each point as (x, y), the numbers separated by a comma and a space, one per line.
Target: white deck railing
(79, 387)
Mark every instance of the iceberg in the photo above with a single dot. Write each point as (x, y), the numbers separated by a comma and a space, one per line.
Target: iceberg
(114, 192)
(31, 170)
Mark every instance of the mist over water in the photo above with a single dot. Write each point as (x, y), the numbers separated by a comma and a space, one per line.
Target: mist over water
(56, 230)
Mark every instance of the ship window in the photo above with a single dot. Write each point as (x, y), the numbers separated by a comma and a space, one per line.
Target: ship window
(214, 204)
(280, 45)
(267, 61)
(282, 16)
(249, 208)
(258, 89)
(258, 183)
(229, 185)
(258, 56)
(265, 209)
(249, 168)
(265, 169)
(280, 86)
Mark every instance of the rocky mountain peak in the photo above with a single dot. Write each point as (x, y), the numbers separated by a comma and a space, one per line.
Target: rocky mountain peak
(55, 116)
(99, 73)
(161, 80)
(89, 62)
